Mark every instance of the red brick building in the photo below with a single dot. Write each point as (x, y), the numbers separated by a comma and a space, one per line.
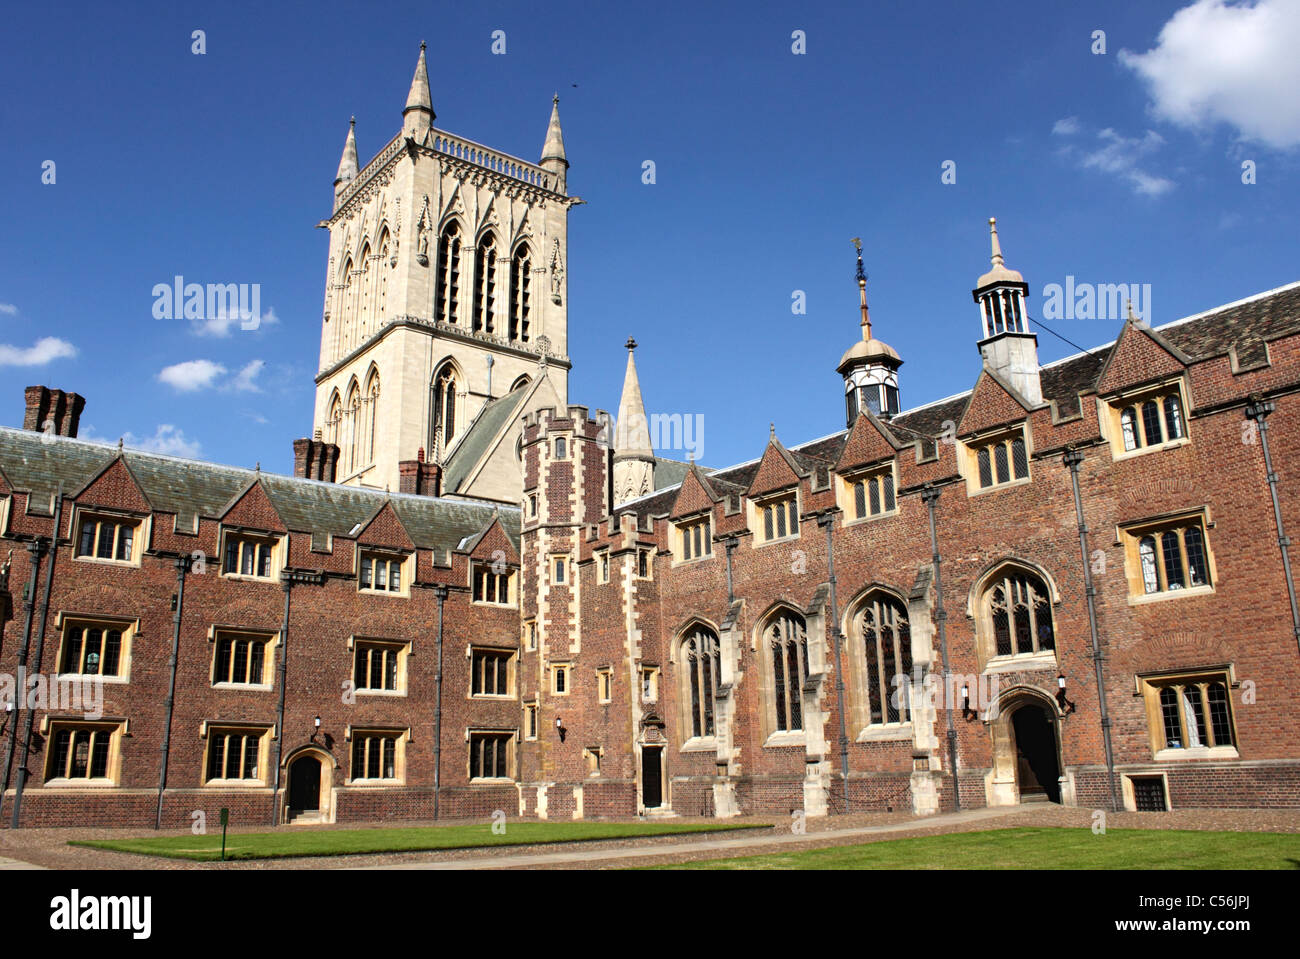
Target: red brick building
(1069, 583)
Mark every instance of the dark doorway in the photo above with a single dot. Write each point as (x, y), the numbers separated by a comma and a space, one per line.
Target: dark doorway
(652, 792)
(1038, 769)
(304, 785)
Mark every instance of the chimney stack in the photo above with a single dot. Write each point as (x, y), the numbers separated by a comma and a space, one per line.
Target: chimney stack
(314, 459)
(53, 411)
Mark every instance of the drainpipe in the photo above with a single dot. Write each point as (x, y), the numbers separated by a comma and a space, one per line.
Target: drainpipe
(286, 584)
(930, 496)
(730, 543)
(35, 550)
(182, 567)
(441, 593)
(1258, 409)
(827, 521)
(40, 652)
(1073, 459)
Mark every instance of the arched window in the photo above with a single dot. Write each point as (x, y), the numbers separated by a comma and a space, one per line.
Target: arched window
(887, 653)
(344, 311)
(372, 415)
(1128, 423)
(1019, 610)
(333, 419)
(786, 640)
(700, 678)
(485, 283)
(444, 409)
(381, 298)
(521, 305)
(447, 303)
(351, 446)
(364, 292)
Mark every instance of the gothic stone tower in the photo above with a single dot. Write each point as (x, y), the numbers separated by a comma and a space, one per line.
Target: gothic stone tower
(446, 288)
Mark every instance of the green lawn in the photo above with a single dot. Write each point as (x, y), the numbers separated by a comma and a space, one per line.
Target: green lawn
(341, 842)
(1043, 848)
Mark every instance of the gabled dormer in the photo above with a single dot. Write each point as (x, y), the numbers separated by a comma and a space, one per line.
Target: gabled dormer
(866, 475)
(993, 436)
(692, 517)
(385, 554)
(111, 517)
(773, 495)
(1142, 392)
(254, 538)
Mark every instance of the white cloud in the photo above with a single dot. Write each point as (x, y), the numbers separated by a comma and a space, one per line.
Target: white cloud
(1226, 62)
(46, 350)
(8, 309)
(1066, 127)
(223, 325)
(243, 381)
(1117, 155)
(166, 439)
(192, 375)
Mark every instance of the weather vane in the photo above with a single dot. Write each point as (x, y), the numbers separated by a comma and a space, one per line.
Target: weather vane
(857, 245)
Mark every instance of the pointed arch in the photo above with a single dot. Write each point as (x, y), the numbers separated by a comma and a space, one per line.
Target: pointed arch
(381, 294)
(351, 416)
(447, 291)
(1012, 603)
(879, 634)
(521, 293)
(485, 283)
(523, 380)
(698, 656)
(371, 415)
(333, 417)
(783, 651)
(444, 403)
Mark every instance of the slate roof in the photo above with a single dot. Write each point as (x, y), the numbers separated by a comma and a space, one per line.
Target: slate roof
(189, 487)
(1247, 324)
(479, 436)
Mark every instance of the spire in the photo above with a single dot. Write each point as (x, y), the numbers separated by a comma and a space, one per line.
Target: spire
(862, 292)
(418, 98)
(632, 436)
(554, 161)
(348, 162)
(554, 147)
(999, 272)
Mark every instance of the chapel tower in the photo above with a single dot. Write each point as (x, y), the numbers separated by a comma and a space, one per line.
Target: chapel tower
(446, 288)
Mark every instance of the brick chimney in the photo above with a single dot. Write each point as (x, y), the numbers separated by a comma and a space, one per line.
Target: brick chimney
(418, 477)
(315, 459)
(60, 410)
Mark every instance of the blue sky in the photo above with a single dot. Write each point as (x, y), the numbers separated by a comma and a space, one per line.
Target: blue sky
(1122, 167)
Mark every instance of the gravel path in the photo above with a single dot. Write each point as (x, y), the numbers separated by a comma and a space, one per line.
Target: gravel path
(49, 848)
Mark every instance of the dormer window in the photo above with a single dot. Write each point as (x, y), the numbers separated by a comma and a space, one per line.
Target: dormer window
(493, 584)
(381, 573)
(997, 461)
(248, 556)
(1147, 421)
(695, 538)
(778, 517)
(870, 493)
(111, 538)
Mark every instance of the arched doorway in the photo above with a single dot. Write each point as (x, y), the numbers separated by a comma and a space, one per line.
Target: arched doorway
(1038, 769)
(309, 794)
(1026, 751)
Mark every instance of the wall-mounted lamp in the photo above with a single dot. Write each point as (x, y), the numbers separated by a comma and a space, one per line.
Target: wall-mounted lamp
(1067, 706)
(559, 728)
(966, 712)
